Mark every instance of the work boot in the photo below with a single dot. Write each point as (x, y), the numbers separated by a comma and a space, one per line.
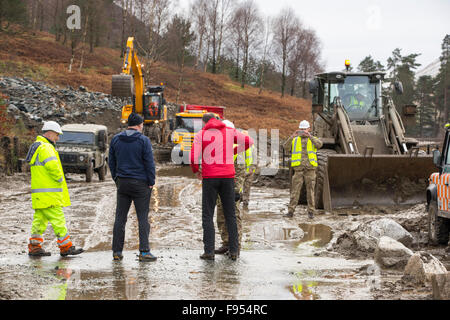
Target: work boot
(288, 215)
(233, 256)
(206, 256)
(147, 257)
(221, 250)
(310, 214)
(117, 256)
(37, 251)
(72, 251)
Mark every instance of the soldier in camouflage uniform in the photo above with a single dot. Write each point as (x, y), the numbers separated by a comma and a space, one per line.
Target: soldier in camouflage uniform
(304, 148)
(239, 178)
(250, 168)
(238, 188)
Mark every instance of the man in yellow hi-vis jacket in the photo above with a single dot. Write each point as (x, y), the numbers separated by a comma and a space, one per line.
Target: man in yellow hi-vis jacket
(49, 193)
(304, 148)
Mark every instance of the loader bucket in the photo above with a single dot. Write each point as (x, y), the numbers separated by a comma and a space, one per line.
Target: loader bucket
(356, 180)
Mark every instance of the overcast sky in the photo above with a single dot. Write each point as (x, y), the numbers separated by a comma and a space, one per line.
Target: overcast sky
(353, 29)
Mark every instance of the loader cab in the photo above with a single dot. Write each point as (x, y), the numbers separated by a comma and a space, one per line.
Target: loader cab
(154, 103)
(360, 93)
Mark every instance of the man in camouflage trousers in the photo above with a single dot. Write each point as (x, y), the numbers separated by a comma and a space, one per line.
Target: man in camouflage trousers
(240, 168)
(304, 148)
(250, 168)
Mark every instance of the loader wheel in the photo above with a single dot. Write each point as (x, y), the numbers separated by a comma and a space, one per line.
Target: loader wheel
(122, 86)
(438, 227)
(322, 159)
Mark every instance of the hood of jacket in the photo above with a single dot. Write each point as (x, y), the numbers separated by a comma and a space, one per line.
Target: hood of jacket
(214, 124)
(129, 136)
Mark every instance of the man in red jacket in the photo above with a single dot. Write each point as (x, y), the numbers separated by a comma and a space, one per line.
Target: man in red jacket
(214, 148)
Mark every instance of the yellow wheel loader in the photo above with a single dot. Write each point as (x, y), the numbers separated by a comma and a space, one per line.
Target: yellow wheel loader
(366, 158)
(148, 102)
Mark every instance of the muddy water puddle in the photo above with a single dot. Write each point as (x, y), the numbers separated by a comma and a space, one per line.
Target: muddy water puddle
(179, 274)
(277, 259)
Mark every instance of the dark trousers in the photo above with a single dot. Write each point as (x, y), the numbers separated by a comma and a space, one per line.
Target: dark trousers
(137, 191)
(225, 189)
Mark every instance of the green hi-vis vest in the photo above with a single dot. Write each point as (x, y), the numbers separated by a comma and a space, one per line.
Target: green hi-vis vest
(354, 101)
(249, 158)
(296, 159)
(48, 185)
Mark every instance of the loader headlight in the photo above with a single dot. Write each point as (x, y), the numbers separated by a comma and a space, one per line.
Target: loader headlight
(81, 158)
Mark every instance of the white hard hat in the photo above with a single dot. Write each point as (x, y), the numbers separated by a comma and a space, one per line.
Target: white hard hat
(228, 123)
(304, 125)
(52, 126)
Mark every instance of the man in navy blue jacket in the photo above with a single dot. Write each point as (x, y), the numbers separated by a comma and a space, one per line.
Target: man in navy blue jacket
(133, 169)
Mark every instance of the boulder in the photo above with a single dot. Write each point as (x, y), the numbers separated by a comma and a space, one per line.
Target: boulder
(421, 267)
(389, 228)
(391, 253)
(441, 286)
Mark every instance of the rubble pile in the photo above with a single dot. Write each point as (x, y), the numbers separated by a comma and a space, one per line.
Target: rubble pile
(37, 101)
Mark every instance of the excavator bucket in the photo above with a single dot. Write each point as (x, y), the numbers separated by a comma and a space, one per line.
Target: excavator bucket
(355, 180)
(122, 86)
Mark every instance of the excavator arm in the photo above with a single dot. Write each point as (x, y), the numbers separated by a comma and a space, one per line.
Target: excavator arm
(130, 83)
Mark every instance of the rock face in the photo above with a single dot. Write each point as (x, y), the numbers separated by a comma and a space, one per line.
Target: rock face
(391, 253)
(421, 267)
(441, 286)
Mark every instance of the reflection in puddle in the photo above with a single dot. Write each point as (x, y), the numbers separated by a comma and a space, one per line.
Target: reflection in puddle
(319, 233)
(176, 171)
(305, 290)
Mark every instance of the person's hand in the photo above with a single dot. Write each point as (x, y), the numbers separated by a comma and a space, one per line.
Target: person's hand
(199, 175)
(150, 187)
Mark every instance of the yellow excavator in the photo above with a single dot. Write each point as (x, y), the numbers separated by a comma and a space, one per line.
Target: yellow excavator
(148, 102)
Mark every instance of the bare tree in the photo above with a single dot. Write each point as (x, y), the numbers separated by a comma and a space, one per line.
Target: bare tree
(285, 26)
(235, 39)
(213, 24)
(310, 54)
(198, 12)
(226, 11)
(251, 22)
(267, 45)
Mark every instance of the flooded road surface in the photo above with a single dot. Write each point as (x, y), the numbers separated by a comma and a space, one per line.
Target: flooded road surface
(280, 258)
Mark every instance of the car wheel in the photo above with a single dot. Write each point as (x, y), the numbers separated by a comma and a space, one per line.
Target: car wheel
(102, 172)
(89, 172)
(438, 227)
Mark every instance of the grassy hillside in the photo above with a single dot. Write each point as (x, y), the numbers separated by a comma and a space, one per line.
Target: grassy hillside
(40, 58)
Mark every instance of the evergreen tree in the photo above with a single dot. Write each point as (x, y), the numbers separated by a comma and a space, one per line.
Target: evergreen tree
(403, 69)
(369, 65)
(443, 82)
(426, 112)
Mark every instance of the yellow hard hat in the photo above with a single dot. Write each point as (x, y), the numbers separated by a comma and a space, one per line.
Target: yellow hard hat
(447, 125)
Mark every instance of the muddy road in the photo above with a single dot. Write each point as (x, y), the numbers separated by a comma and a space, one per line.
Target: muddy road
(280, 259)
